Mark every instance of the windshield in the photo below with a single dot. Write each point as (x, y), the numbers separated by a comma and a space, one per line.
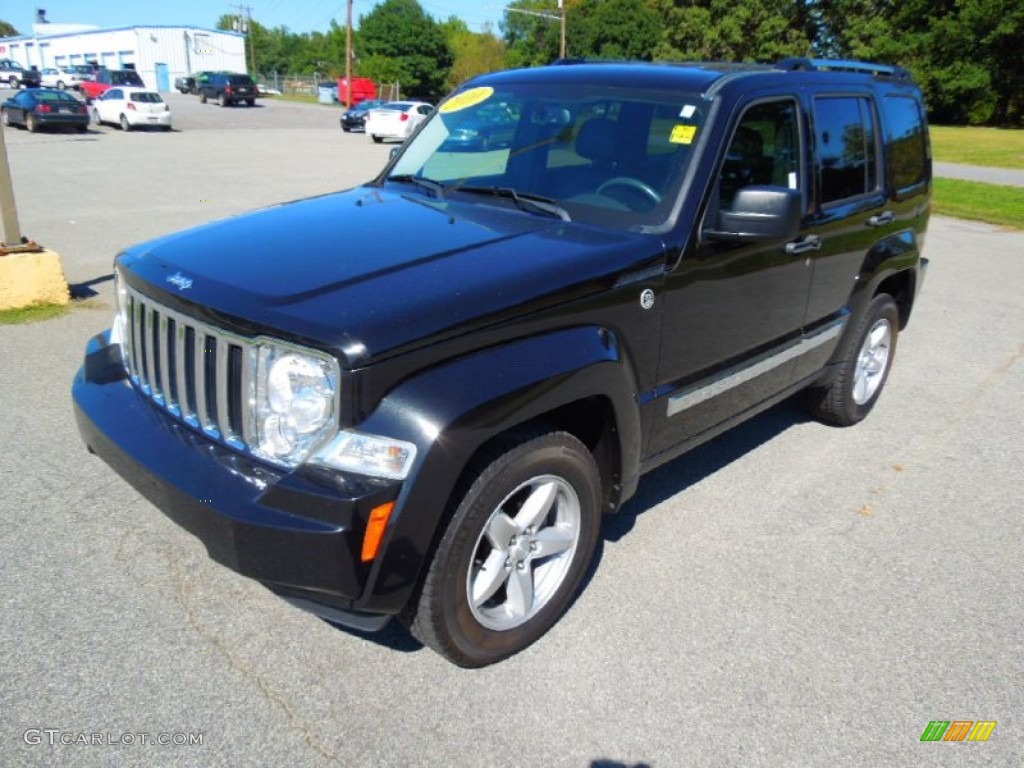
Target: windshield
(609, 156)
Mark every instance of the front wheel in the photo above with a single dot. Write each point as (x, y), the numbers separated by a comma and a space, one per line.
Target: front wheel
(5, 118)
(377, 139)
(865, 361)
(514, 553)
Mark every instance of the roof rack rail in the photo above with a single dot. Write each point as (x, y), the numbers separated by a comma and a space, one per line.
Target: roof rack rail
(810, 65)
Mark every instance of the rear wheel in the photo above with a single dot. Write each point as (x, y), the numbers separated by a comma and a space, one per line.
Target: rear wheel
(125, 125)
(251, 102)
(865, 361)
(222, 101)
(377, 139)
(514, 553)
(81, 128)
(202, 98)
(13, 82)
(32, 123)
(60, 85)
(96, 117)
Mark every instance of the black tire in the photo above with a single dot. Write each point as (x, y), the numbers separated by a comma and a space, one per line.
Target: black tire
(866, 359)
(60, 85)
(32, 123)
(96, 117)
(13, 83)
(377, 139)
(81, 128)
(5, 118)
(521, 591)
(250, 102)
(125, 125)
(223, 101)
(202, 98)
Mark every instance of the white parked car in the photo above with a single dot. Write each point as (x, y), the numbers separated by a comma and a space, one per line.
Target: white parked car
(131, 108)
(396, 119)
(59, 77)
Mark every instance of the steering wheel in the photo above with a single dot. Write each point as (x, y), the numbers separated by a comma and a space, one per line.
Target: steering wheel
(629, 181)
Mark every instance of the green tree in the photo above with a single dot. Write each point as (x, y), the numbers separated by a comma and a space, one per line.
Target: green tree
(398, 41)
(8, 30)
(734, 30)
(966, 54)
(613, 29)
(475, 53)
(532, 41)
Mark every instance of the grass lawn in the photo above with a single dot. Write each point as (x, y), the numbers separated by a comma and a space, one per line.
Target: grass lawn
(982, 202)
(31, 314)
(996, 147)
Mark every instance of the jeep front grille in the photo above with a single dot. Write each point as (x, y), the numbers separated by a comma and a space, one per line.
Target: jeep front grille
(196, 372)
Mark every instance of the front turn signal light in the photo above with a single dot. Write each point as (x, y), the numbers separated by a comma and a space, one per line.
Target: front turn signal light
(375, 527)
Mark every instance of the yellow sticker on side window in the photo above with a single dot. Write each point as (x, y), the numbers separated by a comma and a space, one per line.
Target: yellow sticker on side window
(683, 134)
(466, 99)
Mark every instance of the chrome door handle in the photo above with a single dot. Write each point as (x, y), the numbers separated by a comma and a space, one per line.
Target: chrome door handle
(881, 219)
(809, 243)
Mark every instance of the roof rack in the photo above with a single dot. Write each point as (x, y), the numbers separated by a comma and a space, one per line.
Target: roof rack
(810, 65)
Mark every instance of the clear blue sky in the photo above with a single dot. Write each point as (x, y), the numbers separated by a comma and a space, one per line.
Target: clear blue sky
(297, 15)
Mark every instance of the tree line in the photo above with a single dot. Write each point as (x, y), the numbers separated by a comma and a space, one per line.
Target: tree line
(967, 55)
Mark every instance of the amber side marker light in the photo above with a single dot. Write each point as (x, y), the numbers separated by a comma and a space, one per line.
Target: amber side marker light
(375, 528)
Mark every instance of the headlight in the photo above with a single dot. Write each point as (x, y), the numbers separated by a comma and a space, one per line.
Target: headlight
(368, 455)
(296, 402)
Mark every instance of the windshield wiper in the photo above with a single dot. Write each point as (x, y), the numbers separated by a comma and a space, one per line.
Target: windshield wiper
(523, 200)
(420, 181)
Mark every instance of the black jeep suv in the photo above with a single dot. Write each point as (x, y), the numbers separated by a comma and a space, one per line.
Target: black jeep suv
(226, 88)
(431, 427)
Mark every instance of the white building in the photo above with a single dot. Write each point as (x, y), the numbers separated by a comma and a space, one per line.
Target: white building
(159, 54)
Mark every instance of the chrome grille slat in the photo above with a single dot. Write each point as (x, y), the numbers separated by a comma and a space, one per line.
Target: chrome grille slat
(163, 333)
(221, 393)
(183, 365)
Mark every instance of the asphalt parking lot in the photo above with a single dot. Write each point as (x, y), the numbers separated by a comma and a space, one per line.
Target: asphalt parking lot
(787, 595)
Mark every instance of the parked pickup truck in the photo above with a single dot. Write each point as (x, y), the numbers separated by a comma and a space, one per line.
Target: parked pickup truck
(106, 79)
(426, 418)
(13, 75)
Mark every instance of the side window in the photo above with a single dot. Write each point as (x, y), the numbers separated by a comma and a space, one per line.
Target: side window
(908, 149)
(764, 150)
(846, 147)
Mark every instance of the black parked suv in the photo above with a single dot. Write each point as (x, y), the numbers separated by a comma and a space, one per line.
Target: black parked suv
(226, 88)
(432, 427)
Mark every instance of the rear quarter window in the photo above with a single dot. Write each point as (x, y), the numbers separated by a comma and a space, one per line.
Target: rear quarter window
(908, 152)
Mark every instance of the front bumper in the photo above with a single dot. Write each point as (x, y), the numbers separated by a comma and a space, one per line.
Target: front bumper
(298, 532)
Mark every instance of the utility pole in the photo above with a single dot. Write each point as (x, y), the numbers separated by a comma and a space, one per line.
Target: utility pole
(246, 24)
(348, 59)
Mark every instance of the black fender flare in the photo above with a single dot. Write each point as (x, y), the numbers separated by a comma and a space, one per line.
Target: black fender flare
(451, 410)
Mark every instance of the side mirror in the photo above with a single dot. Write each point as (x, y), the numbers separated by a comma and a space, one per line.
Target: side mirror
(760, 213)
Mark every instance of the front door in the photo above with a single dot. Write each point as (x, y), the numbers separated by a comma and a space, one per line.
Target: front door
(733, 309)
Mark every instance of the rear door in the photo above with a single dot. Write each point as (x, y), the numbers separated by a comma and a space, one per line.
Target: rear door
(849, 210)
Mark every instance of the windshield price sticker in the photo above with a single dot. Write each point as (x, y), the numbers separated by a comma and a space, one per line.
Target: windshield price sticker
(683, 134)
(466, 99)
